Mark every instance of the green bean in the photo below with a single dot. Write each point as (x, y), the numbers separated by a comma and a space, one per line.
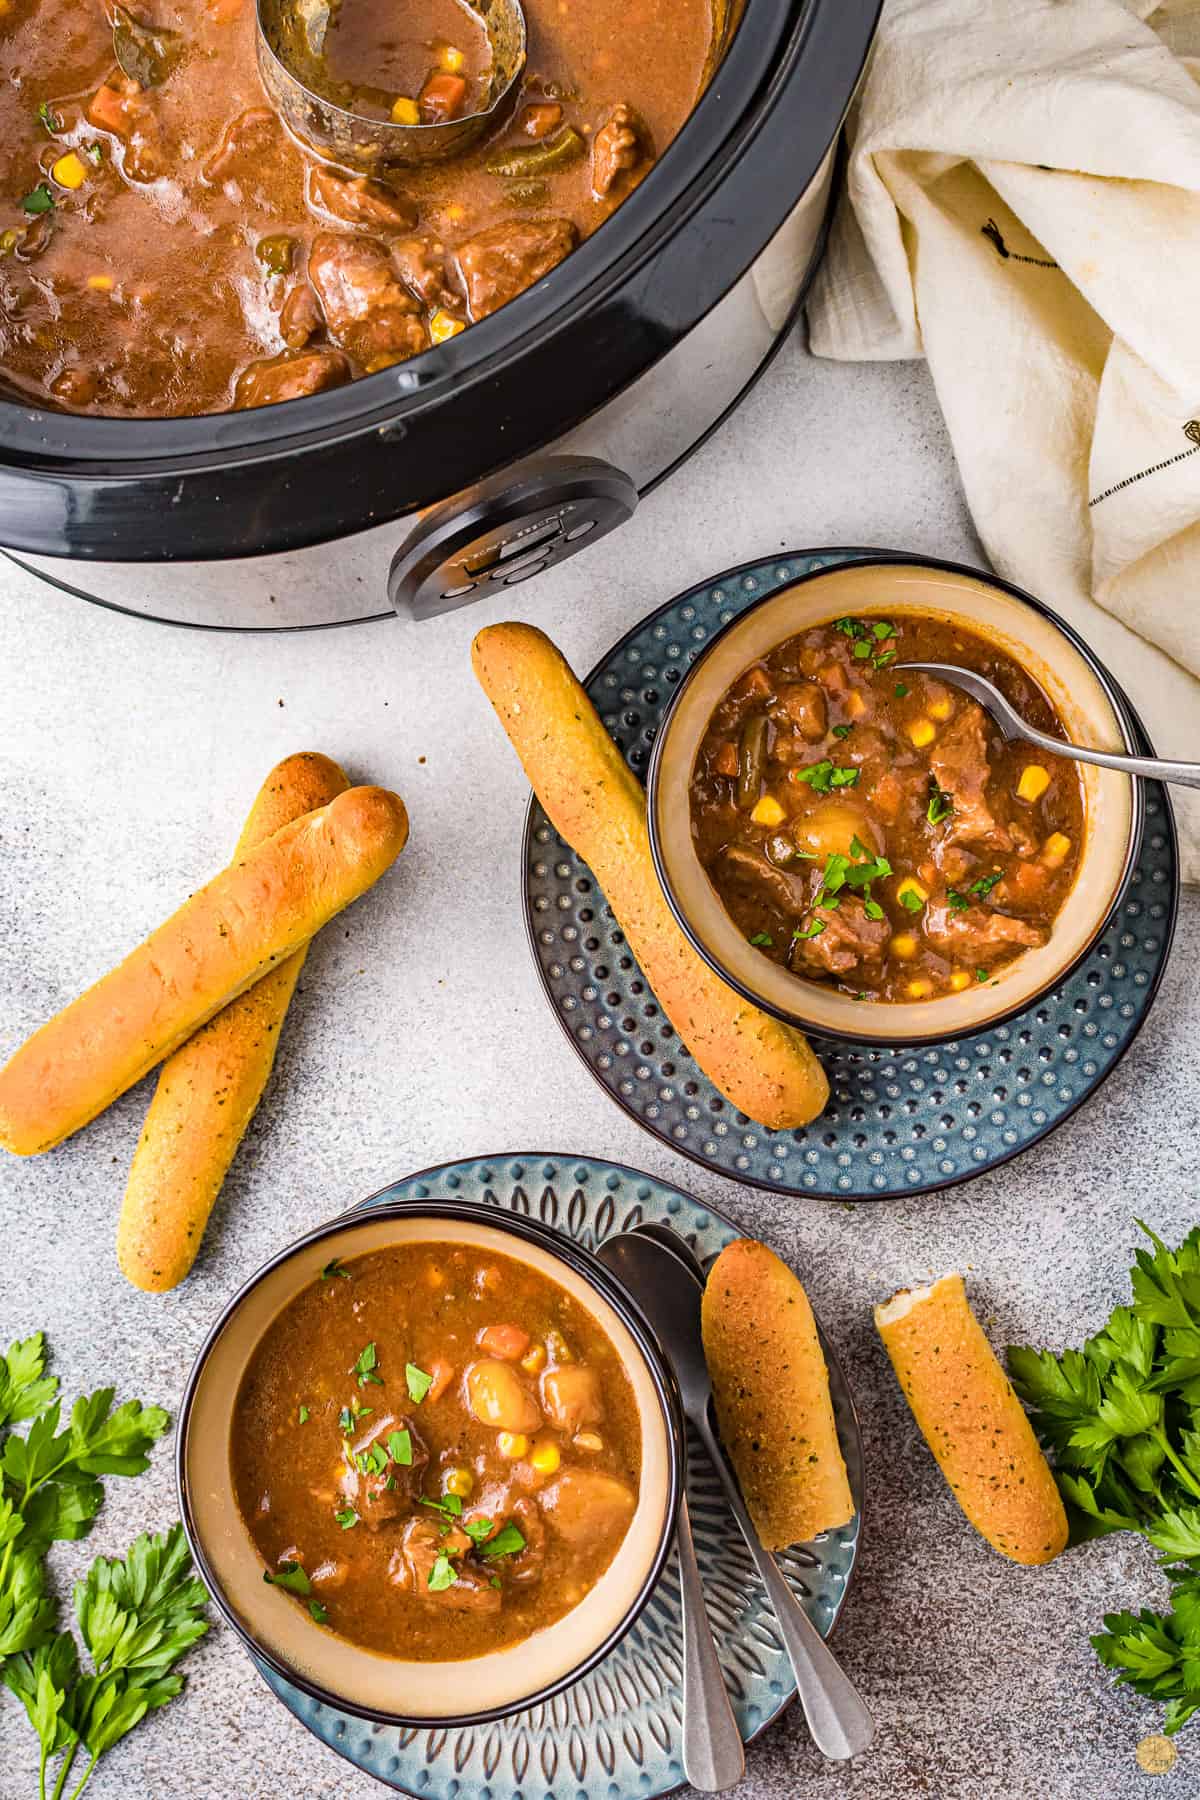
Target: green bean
(752, 761)
(522, 161)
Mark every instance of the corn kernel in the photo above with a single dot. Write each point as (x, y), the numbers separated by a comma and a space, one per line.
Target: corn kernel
(512, 1444)
(443, 325)
(588, 1440)
(1033, 783)
(557, 1346)
(452, 59)
(922, 732)
(103, 284)
(545, 1458)
(960, 980)
(405, 111)
(534, 1359)
(456, 213)
(69, 171)
(941, 708)
(919, 989)
(903, 945)
(1055, 850)
(910, 885)
(768, 811)
(854, 705)
(459, 1481)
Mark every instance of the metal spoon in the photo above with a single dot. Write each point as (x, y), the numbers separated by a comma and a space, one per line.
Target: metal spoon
(669, 1295)
(1184, 774)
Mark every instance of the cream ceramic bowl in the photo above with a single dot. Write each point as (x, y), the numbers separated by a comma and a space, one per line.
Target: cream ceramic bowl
(387, 1689)
(1091, 708)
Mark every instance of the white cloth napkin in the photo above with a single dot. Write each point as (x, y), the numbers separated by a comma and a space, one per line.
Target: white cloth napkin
(1023, 209)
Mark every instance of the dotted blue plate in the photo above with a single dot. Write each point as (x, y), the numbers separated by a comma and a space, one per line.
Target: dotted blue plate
(616, 1733)
(898, 1121)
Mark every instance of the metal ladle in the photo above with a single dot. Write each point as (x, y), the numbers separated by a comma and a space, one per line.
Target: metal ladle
(291, 63)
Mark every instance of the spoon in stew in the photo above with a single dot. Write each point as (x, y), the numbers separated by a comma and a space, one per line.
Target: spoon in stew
(669, 1293)
(1013, 726)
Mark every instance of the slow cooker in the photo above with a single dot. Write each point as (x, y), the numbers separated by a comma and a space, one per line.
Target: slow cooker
(489, 459)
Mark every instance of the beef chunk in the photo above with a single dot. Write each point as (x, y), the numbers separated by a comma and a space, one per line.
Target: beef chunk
(300, 317)
(803, 706)
(849, 940)
(959, 764)
(421, 266)
(120, 107)
(423, 1542)
(500, 263)
(621, 152)
(366, 309)
(526, 1565)
(976, 934)
(289, 377)
(381, 1496)
(244, 142)
(357, 200)
(758, 879)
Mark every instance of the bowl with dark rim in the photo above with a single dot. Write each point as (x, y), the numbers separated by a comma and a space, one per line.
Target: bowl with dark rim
(1088, 701)
(390, 1690)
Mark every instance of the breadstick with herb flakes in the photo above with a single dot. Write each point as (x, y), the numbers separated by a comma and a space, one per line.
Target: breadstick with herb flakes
(228, 935)
(771, 1389)
(972, 1420)
(595, 801)
(209, 1090)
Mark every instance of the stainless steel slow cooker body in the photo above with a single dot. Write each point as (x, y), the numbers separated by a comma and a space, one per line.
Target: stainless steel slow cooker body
(492, 457)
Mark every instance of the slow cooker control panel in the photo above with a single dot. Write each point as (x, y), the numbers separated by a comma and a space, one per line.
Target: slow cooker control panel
(506, 530)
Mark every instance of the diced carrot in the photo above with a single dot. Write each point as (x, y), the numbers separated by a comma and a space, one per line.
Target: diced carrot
(508, 1342)
(443, 1375)
(109, 111)
(441, 98)
(725, 762)
(541, 118)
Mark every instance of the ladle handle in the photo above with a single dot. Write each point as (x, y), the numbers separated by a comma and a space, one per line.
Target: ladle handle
(837, 1718)
(714, 1757)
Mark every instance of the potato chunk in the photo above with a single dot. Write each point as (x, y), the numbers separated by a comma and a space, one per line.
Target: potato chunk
(584, 1506)
(571, 1397)
(499, 1398)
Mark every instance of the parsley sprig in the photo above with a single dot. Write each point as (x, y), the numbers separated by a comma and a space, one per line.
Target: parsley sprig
(1122, 1417)
(137, 1616)
(857, 871)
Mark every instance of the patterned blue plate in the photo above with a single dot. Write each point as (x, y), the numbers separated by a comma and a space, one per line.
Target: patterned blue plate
(898, 1121)
(615, 1733)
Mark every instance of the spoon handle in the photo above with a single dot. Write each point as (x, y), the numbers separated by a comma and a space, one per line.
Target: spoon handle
(714, 1757)
(1153, 768)
(838, 1720)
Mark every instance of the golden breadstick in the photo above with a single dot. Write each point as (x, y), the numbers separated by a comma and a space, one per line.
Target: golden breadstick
(208, 1091)
(972, 1420)
(771, 1389)
(594, 800)
(227, 936)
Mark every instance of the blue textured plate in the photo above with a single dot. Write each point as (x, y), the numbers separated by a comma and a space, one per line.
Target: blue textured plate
(615, 1734)
(898, 1121)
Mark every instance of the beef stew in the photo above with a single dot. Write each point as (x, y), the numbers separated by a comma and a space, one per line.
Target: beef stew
(872, 829)
(436, 1450)
(169, 249)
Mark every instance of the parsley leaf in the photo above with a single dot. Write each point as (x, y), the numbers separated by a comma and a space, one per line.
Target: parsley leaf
(763, 939)
(419, 1383)
(478, 1530)
(940, 806)
(333, 1268)
(318, 1611)
(842, 731)
(347, 1519)
(288, 1575)
(302, 1415)
(365, 1367)
(824, 775)
(507, 1542)
(901, 691)
(911, 901)
(400, 1448)
(443, 1573)
(49, 118)
(41, 200)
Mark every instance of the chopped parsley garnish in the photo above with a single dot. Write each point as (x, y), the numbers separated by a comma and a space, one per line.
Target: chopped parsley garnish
(981, 974)
(449, 1504)
(49, 118)
(41, 200)
(911, 900)
(494, 1581)
(872, 909)
(824, 775)
(336, 1267)
(958, 902)
(400, 1448)
(842, 731)
(347, 1518)
(851, 628)
(288, 1575)
(373, 1460)
(883, 629)
(350, 1415)
(318, 1611)
(365, 1367)
(478, 1530)
(506, 1542)
(303, 1415)
(419, 1383)
(763, 939)
(94, 153)
(901, 691)
(862, 649)
(813, 929)
(986, 883)
(941, 804)
(443, 1573)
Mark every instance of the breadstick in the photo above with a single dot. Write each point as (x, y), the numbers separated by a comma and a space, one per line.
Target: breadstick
(771, 1389)
(228, 935)
(596, 803)
(972, 1420)
(209, 1089)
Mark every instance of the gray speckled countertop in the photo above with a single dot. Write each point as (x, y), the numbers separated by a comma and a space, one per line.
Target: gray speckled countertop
(129, 756)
